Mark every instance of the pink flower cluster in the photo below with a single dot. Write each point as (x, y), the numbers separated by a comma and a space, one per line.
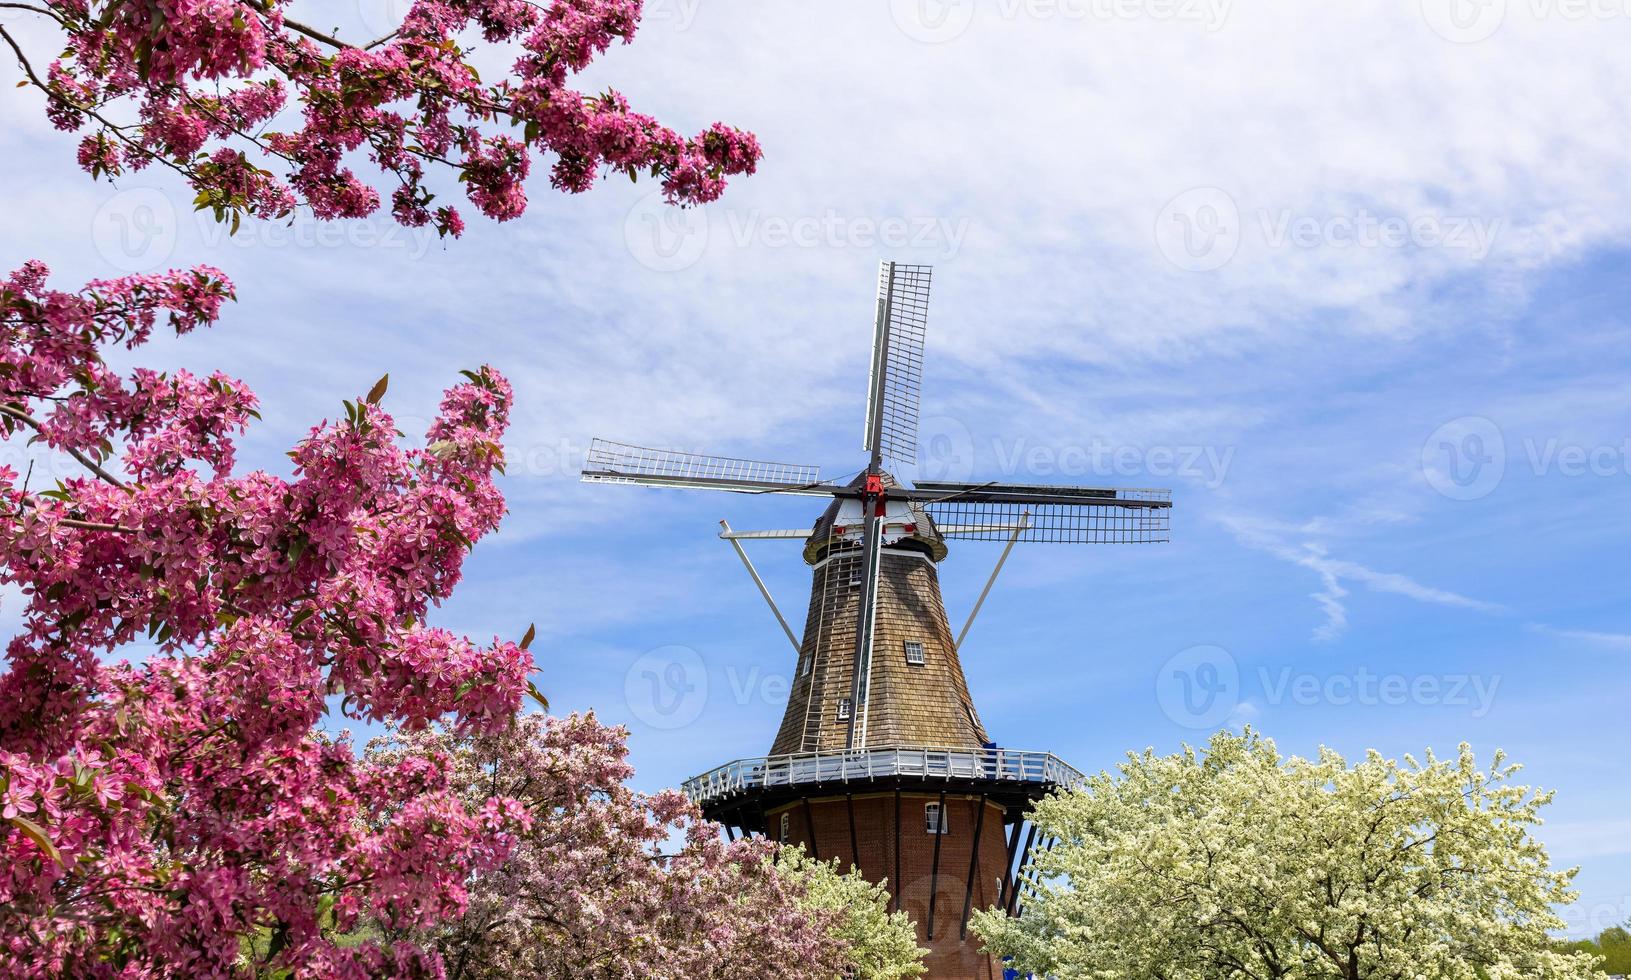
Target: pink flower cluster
(605, 881)
(161, 818)
(202, 85)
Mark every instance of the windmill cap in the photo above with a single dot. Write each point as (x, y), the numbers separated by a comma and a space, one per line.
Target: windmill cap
(924, 536)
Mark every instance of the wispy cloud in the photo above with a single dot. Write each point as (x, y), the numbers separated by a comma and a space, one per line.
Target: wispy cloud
(1616, 641)
(1273, 538)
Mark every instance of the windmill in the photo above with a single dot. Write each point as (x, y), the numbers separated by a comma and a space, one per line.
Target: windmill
(846, 738)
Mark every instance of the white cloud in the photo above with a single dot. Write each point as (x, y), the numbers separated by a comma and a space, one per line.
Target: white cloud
(1057, 140)
(1245, 713)
(1272, 537)
(1613, 641)
(1035, 156)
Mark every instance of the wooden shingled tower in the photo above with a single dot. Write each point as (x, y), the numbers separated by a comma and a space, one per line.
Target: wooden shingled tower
(919, 696)
(881, 759)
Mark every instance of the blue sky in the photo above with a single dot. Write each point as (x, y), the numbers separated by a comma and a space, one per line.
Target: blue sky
(1352, 283)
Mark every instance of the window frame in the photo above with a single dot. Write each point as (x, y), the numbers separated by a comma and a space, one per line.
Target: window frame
(939, 824)
(907, 646)
(846, 708)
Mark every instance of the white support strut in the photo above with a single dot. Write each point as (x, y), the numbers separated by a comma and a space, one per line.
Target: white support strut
(1024, 522)
(741, 553)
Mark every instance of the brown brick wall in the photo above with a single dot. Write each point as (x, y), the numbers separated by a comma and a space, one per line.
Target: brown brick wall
(951, 957)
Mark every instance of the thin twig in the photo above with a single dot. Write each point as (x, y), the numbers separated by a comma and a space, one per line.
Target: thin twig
(83, 459)
(76, 522)
(46, 11)
(294, 25)
(108, 124)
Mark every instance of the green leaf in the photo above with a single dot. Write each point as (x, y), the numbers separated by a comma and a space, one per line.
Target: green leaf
(537, 695)
(378, 391)
(532, 634)
(301, 617)
(142, 792)
(37, 834)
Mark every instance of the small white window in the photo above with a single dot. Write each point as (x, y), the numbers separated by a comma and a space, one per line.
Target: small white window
(784, 831)
(844, 709)
(855, 580)
(804, 665)
(914, 653)
(934, 822)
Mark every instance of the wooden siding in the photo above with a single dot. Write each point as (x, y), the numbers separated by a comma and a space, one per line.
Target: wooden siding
(926, 704)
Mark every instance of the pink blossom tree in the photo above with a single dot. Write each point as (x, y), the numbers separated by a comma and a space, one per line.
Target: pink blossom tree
(606, 883)
(154, 816)
(202, 87)
(186, 814)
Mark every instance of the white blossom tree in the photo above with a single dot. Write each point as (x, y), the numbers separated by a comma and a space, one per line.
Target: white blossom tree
(1237, 863)
(879, 944)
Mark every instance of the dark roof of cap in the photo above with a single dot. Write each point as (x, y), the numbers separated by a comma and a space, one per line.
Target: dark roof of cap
(928, 536)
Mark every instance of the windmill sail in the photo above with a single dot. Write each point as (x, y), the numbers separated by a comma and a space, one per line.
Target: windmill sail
(615, 462)
(1070, 515)
(897, 361)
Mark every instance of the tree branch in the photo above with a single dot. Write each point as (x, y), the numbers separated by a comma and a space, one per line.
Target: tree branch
(45, 11)
(294, 25)
(12, 411)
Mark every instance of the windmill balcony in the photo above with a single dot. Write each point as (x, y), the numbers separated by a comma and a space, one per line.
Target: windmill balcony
(1031, 773)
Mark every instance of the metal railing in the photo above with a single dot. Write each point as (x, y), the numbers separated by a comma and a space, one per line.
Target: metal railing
(857, 765)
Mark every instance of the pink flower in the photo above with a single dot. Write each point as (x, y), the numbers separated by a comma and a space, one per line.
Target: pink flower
(412, 102)
(265, 596)
(17, 802)
(574, 874)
